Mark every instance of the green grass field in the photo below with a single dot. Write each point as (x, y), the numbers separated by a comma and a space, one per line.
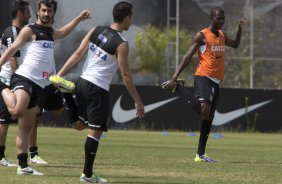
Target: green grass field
(139, 157)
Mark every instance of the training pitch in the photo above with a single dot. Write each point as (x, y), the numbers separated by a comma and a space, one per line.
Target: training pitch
(146, 157)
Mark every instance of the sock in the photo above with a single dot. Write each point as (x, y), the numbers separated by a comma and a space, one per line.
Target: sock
(2, 152)
(90, 148)
(22, 157)
(204, 135)
(33, 151)
(70, 107)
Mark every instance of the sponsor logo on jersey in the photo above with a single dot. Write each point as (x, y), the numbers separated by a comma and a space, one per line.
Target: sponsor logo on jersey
(217, 48)
(46, 75)
(102, 38)
(48, 45)
(97, 52)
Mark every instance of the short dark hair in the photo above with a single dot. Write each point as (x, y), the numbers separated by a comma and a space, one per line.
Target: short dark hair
(214, 10)
(121, 10)
(48, 3)
(18, 5)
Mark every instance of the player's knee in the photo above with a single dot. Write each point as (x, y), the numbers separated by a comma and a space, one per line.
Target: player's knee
(16, 113)
(78, 125)
(205, 109)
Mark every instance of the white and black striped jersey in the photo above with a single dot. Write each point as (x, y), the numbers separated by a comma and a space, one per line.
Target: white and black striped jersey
(8, 37)
(100, 64)
(38, 56)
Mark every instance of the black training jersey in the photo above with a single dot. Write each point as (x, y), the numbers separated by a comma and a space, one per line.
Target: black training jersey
(42, 32)
(8, 37)
(100, 64)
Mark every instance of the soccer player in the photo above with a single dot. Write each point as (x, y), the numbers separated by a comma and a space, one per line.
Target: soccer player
(20, 14)
(51, 100)
(210, 45)
(27, 83)
(103, 44)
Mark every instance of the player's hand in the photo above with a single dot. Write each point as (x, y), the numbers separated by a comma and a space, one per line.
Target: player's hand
(140, 112)
(85, 14)
(241, 22)
(169, 85)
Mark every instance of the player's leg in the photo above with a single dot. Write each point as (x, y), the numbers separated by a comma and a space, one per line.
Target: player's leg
(207, 91)
(3, 135)
(22, 141)
(15, 99)
(33, 148)
(67, 88)
(93, 105)
(71, 110)
(189, 98)
(27, 94)
(5, 120)
(51, 100)
(186, 95)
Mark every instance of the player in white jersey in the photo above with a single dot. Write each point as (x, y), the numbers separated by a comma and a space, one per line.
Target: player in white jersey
(37, 44)
(107, 50)
(20, 14)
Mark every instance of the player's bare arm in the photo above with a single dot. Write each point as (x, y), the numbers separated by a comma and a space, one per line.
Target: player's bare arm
(76, 56)
(13, 63)
(236, 42)
(197, 41)
(24, 36)
(122, 59)
(64, 31)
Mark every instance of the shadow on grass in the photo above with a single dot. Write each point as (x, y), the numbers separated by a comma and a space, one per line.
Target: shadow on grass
(255, 162)
(136, 180)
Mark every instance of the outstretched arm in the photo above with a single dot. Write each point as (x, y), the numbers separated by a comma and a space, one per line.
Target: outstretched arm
(64, 31)
(122, 59)
(196, 43)
(235, 43)
(24, 36)
(13, 63)
(76, 56)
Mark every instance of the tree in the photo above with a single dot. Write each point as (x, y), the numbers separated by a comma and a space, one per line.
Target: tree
(150, 51)
(151, 47)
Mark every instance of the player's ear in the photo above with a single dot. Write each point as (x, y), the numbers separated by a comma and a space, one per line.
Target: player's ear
(19, 12)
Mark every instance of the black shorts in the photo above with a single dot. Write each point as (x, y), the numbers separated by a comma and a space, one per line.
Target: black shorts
(51, 99)
(207, 91)
(34, 91)
(92, 105)
(5, 116)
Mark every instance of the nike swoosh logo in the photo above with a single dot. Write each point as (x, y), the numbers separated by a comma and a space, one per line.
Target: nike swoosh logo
(217, 57)
(223, 118)
(122, 116)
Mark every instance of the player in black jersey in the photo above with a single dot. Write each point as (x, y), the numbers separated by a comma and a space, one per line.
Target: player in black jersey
(20, 14)
(32, 75)
(107, 50)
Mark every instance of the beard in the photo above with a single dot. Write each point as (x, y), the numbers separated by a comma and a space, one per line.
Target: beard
(46, 19)
(25, 21)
